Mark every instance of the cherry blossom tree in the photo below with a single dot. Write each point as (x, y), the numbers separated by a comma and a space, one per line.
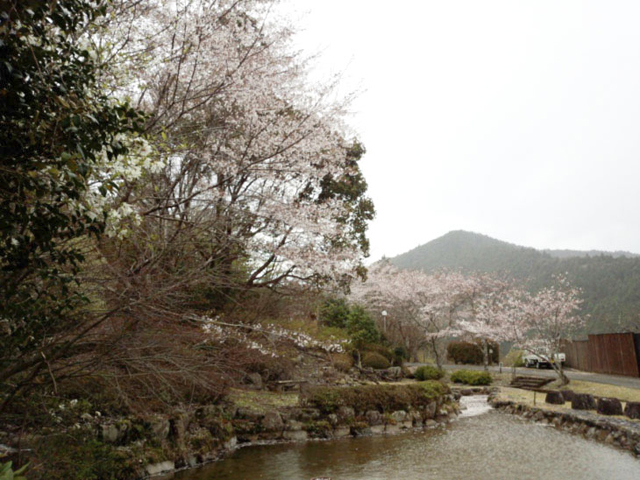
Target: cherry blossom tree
(198, 163)
(539, 323)
(261, 184)
(433, 303)
(484, 315)
(543, 321)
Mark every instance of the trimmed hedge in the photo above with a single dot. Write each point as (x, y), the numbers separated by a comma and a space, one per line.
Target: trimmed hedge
(470, 377)
(427, 372)
(383, 398)
(470, 353)
(375, 360)
(379, 349)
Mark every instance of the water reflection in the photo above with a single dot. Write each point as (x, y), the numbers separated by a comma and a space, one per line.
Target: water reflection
(490, 446)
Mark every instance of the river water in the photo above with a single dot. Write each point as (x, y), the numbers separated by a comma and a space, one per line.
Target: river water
(481, 444)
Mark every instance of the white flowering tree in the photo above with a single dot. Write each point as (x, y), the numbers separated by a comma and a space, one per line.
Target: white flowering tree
(433, 303)
(259, 186)
(483, 316)
(539, 323)
(245, 176)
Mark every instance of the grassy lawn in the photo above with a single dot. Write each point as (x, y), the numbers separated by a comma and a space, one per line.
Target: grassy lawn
(527, 397)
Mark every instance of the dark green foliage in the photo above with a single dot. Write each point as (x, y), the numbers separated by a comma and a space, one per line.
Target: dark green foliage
(78, 456)
(318, 428)
(471, 377)
(334, 313)
(361, 327)
(470, 353)
(400, 355)
(610, 282)
(375, 360)
(383, 398)
(8, 473)
(427, 372)
(380, 350)
(351, 188)
(54, 123)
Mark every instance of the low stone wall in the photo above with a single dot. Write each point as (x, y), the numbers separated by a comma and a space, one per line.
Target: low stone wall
(188, 437)
(618, 432)
(298, 424)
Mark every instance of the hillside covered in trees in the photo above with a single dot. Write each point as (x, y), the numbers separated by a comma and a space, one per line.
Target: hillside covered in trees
(610, 281)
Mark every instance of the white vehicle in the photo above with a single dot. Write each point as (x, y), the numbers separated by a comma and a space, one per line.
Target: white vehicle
(537, 361)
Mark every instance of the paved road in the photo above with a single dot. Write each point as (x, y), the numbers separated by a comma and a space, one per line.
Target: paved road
(629, 382)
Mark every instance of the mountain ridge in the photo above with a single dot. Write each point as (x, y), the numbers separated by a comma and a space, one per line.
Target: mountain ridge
(610, 280)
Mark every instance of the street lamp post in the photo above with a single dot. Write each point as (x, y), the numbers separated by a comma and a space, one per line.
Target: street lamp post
(384, 320)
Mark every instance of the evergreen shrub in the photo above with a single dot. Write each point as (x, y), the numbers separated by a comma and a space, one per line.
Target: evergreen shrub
(428, 372)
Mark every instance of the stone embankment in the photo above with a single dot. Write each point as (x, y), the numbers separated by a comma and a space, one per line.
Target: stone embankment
(323, 413)
(619, 432)
(191, 436)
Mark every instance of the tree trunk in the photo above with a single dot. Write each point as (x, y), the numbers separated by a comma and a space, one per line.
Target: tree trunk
(485, 355)
(435, 353)
(564, 380)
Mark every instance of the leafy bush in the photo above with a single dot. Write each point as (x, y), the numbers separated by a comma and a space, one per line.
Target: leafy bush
(400, 355)
(470, 377)
(361, 327)
(8, 473)
(428, 372)
(383, 398)
(375, 360)
(470, 353)
(78, 456)
(379, 349)
(334, 313)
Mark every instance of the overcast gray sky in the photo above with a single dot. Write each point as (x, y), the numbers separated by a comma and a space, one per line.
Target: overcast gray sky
(516, 119)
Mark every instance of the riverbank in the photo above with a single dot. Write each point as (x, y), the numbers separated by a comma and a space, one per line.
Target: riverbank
(481, 443)
(137, 447)
(611, 430)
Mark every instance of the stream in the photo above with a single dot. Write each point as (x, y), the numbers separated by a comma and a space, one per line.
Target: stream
(482, 443)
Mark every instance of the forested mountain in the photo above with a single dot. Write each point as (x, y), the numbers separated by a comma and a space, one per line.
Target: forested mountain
(610, 280)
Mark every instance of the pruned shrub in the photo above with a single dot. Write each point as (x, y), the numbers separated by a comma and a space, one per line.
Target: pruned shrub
(583, 401)
(334, 313)
(470, 353)
(632, 409)
(361, 327)
(609, 406)
(470, 377)
(400, 355)
(554, 397)
(375, 360)
(379, 349)
(428, 372)
(382, 398)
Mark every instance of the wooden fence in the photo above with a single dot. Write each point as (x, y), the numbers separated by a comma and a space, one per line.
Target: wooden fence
(611, 353)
